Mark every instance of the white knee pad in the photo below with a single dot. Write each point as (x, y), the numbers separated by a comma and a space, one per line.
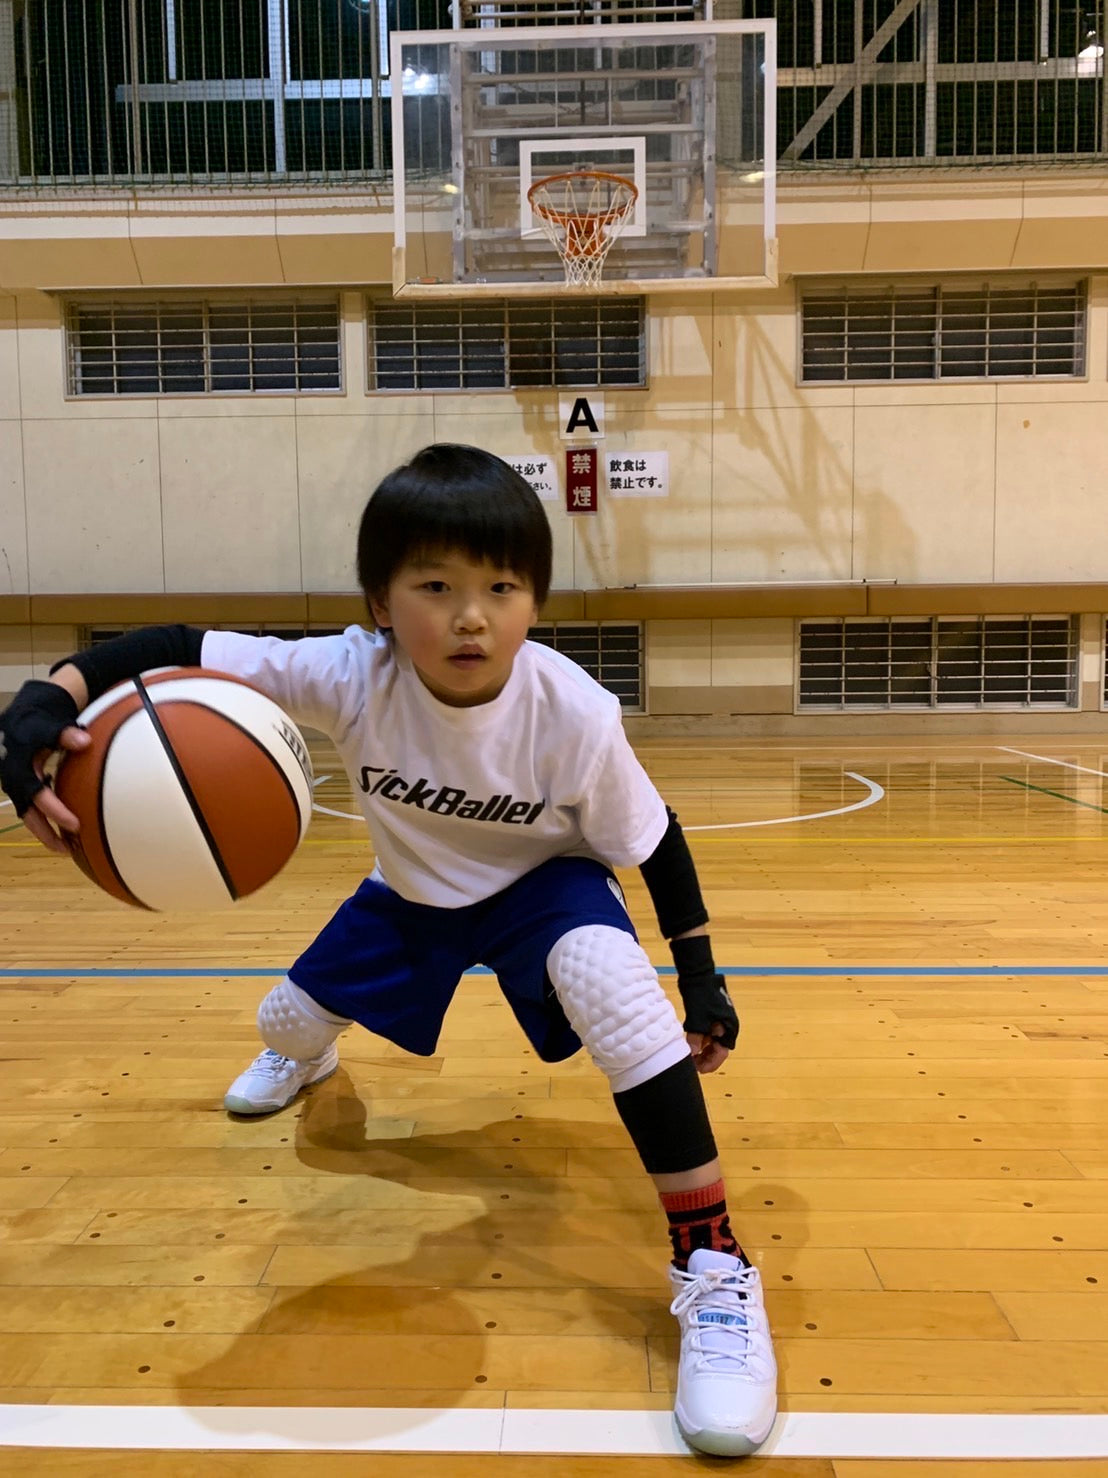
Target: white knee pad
(294, 1025)
(610, 993)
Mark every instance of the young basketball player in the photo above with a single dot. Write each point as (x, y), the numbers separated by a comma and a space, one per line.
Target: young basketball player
(500, 791)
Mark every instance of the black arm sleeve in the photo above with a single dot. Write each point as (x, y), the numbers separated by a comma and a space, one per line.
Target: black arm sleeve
(670, 877)
(111, 662)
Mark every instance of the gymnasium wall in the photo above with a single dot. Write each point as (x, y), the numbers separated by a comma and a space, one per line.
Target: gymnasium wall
(985, 485)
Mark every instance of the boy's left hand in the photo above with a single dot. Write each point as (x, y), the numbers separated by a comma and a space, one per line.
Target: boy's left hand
(708, 1052)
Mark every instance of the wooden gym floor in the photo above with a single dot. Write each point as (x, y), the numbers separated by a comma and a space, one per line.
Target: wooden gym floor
(913, 1129)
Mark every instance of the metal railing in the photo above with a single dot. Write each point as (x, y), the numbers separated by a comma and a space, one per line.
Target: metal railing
(155, 92)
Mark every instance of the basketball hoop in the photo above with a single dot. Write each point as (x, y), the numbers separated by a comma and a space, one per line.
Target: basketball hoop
(582, 213)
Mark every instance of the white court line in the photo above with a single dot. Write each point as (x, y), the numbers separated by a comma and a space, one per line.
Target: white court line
(1046, 760)
(875, 794)
(830, 1434)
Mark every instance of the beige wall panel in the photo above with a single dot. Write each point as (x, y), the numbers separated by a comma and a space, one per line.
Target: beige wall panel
(756, 348)
(49, 644)
(822, 227)
(1050, 521)
(972, 392)
(13, 514)
(93, 515)
(933, 225)
(341, 460)
(16, 662)
(266, 406)
(15, 610)
(651, 541)
(9, 359)
(339, 242)
(678, 654)
(206, 247)
(679, 339)
(923, 492)
(755, 654)
(62, 257)
(811, 248)
(229, 500)
(1065, 224)
(781, 495)
(1056, 392)
(42, 370)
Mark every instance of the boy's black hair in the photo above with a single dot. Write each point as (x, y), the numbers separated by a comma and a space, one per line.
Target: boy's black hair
(454, 498)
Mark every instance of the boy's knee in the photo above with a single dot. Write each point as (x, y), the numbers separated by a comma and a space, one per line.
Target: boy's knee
(610, 993)
(296, 1026)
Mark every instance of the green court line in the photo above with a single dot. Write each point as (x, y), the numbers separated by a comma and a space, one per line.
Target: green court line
(1056, 793)
(18, 825)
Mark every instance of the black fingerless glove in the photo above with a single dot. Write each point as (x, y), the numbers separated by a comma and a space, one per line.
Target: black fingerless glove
(32, 722)
(703, 990)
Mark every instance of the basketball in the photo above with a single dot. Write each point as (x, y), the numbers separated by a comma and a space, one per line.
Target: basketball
(195, 791)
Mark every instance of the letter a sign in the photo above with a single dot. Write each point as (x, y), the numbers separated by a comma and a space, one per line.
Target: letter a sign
(582, 418)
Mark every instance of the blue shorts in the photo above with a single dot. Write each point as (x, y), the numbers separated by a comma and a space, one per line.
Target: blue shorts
(393, 966)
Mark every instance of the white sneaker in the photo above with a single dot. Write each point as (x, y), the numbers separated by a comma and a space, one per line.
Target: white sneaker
(272, 1081)
(726, 1377)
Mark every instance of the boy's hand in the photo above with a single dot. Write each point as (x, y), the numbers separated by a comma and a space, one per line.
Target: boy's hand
(708, 1051)
(711, 1022)
(40, 719)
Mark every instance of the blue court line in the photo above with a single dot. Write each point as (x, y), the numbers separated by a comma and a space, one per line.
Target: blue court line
(826, 971)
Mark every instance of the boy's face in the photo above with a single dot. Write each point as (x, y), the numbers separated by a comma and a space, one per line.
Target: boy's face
(460, 622)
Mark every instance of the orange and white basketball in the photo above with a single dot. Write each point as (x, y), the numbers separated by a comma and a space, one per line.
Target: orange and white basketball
(195, 791)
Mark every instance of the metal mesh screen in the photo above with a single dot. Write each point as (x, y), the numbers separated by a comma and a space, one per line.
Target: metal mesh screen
(201, 90)
(913, 331)
(195, 347)
(978, 662)
(940, 81)
(498, 345)
(263, 91)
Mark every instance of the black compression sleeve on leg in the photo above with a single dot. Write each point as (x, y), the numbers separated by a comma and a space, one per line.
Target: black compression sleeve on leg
(126, 656)
(667, 1120)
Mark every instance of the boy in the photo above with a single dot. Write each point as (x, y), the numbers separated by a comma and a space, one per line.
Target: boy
(500, 790)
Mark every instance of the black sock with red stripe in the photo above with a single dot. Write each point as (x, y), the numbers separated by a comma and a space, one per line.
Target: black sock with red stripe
(698, 1219)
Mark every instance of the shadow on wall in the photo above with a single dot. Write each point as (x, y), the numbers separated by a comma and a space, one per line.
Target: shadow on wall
(758, 491)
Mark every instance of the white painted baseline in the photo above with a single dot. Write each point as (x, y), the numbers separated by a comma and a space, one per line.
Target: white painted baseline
(1046, 760)
(609, 1433)
(874, 794)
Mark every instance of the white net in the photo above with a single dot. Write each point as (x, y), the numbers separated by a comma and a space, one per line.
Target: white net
(582, 213)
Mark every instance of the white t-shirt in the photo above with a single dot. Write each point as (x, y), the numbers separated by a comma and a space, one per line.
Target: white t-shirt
(463, 801)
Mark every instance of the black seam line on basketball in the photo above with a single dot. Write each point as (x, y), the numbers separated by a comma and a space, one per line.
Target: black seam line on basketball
(186, 788)
(105, 840)
(278, 767)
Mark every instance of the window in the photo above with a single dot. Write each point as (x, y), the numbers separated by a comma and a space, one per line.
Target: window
(505, 345)
(976, 662)
(196, 347)
(913, 331)
(610, 652)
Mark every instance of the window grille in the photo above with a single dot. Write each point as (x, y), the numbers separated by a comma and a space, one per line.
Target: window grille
(909, 331)
(976, 662)
(194, 347)
(506, 345)
(609, 652)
